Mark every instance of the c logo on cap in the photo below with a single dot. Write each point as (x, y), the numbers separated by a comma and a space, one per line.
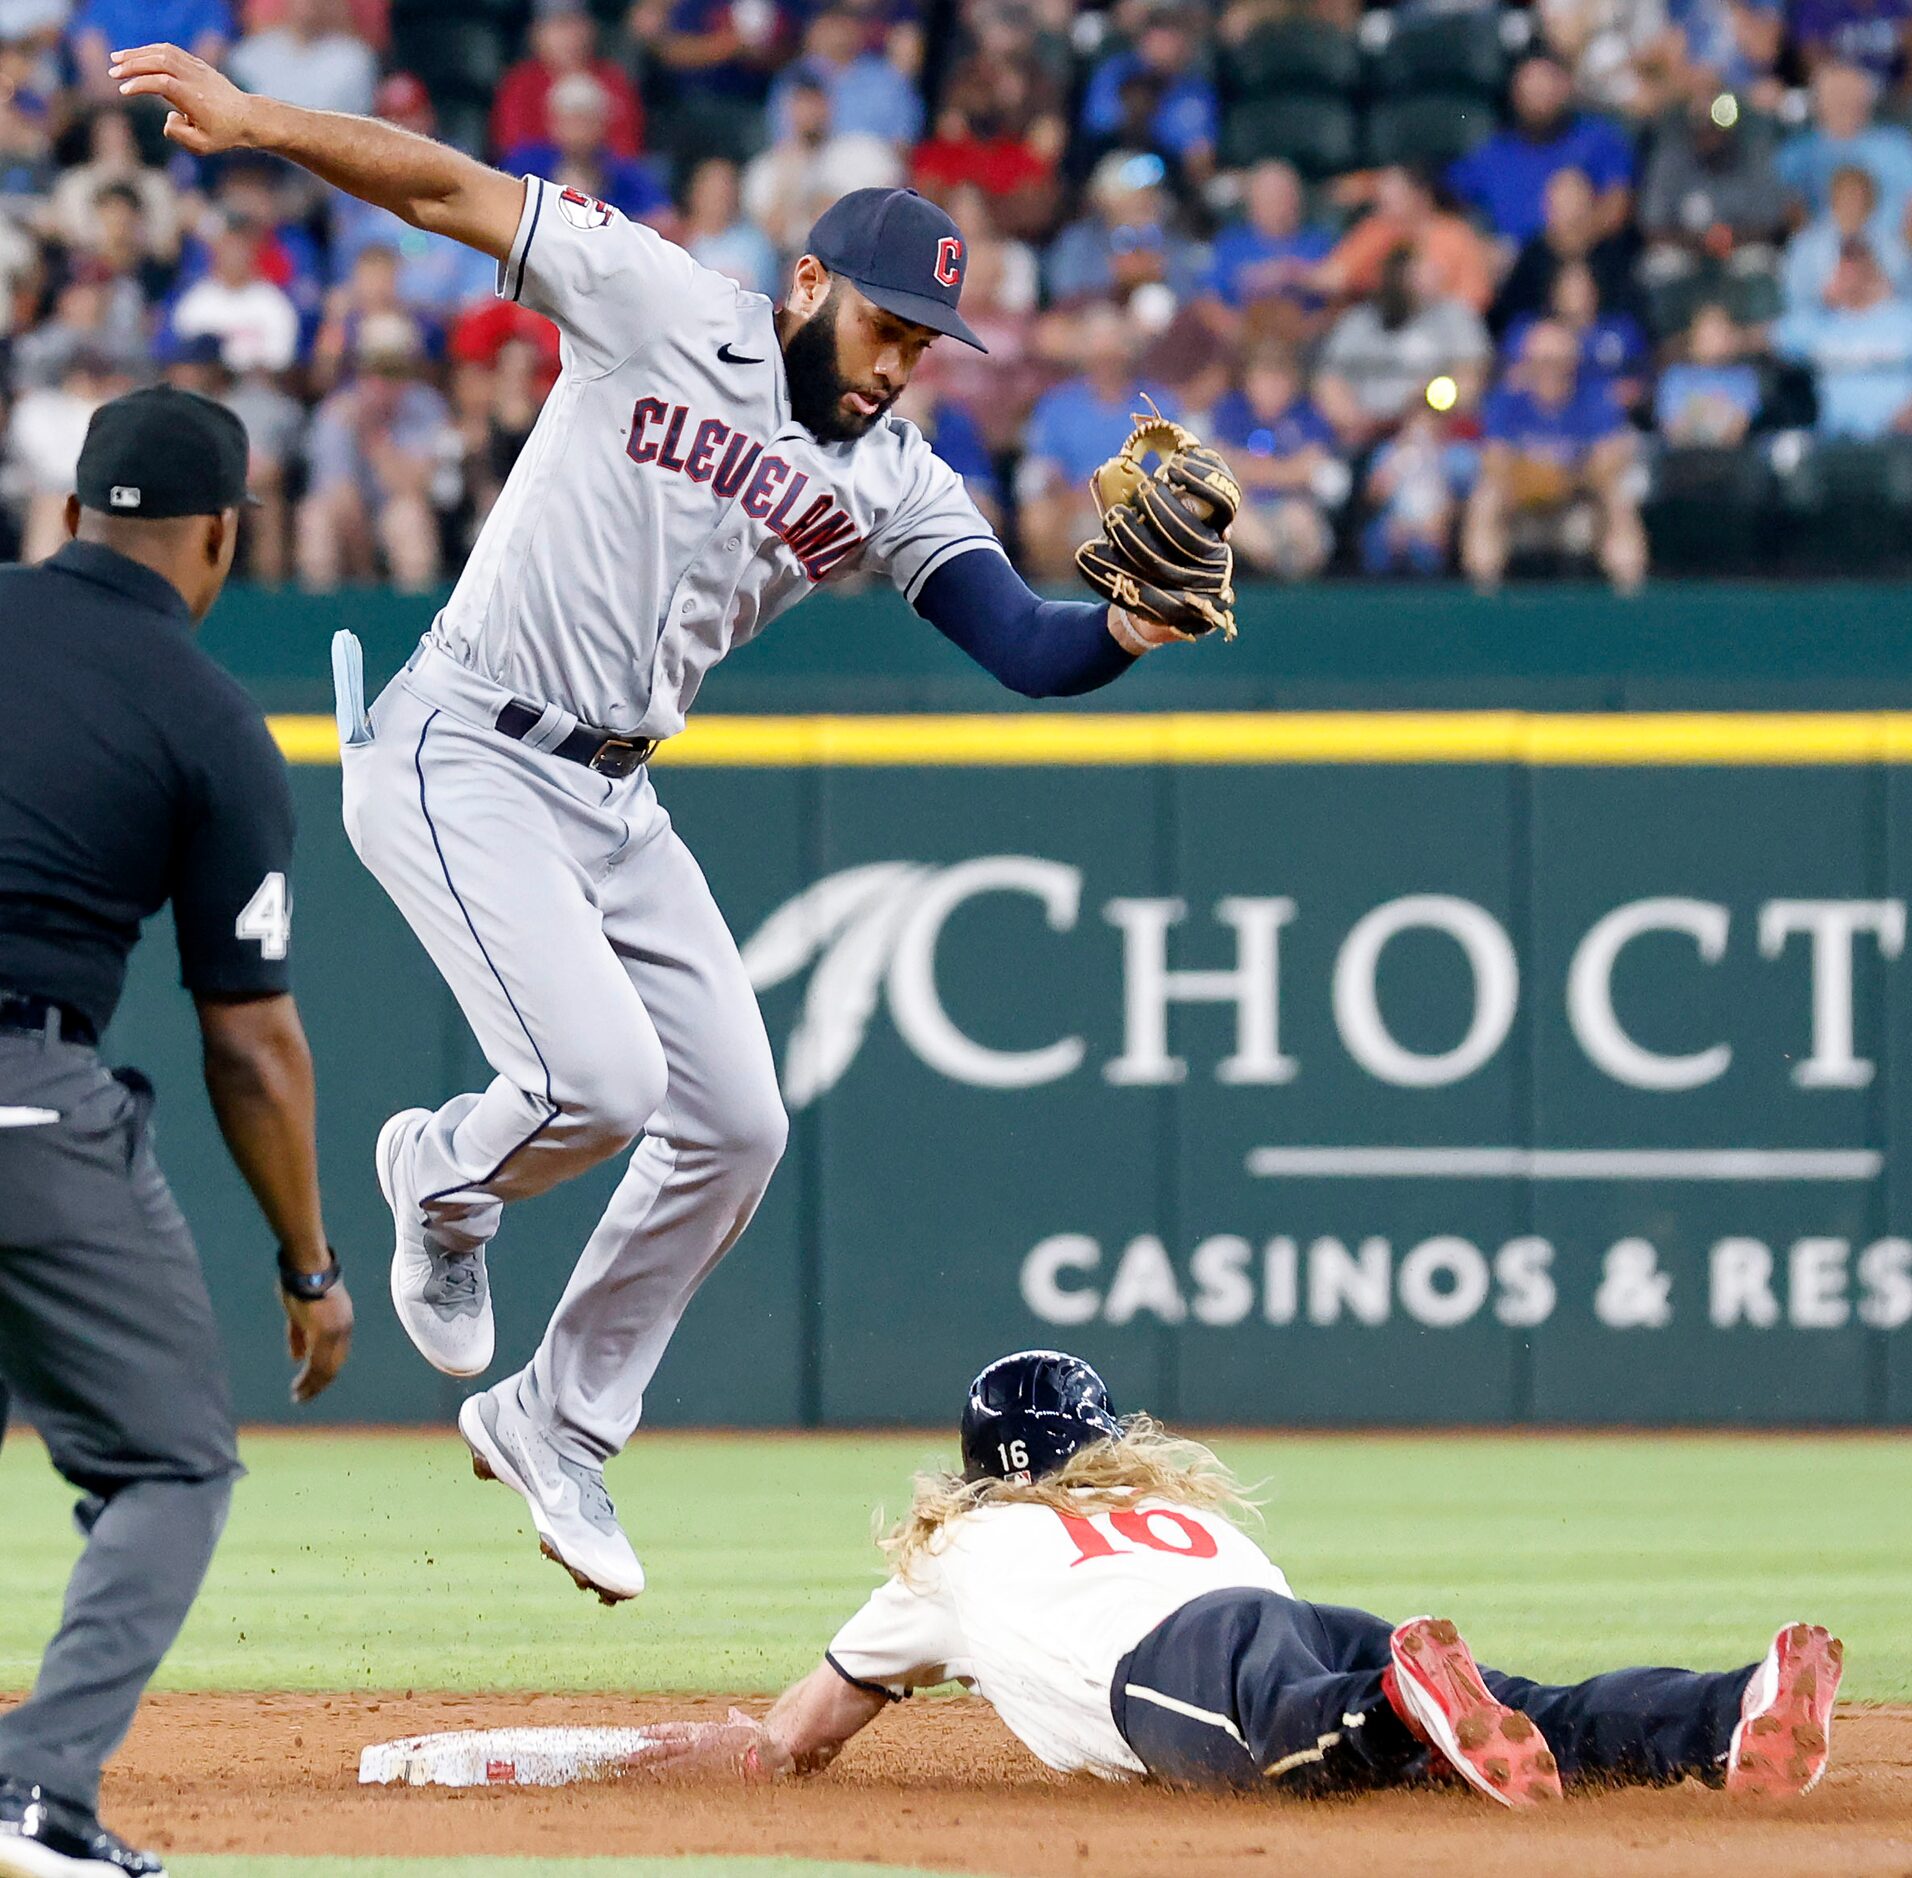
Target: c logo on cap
(949, 261)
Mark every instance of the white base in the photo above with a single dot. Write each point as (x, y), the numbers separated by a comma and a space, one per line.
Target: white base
(505, 1757)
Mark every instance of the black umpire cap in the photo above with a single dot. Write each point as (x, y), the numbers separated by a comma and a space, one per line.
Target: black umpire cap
(904, 253)
(158, 453)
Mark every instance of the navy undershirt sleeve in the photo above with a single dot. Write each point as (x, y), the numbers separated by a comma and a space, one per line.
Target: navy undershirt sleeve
(1040, 648)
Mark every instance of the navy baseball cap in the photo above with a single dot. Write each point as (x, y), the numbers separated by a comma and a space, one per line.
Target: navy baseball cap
(902, 252)
(159, 453)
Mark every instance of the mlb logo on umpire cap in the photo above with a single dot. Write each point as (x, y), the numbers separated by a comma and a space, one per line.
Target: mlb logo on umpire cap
(899, 251)
(123, 496)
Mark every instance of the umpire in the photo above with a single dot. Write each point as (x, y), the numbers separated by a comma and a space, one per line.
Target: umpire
(134, 771)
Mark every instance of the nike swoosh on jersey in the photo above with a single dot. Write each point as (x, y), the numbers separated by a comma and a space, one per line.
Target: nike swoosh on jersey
(734, 358)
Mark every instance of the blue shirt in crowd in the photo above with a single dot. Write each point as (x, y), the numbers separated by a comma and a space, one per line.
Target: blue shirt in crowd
(628, 184)
(1186, 115)
(1506, 177)
(1557, 433)
(124, 23)
(1712, 41)
(868, 97)
(435, 273)
(1683, 385)
(1299, 427)
(1614, 346)
(1077, 430)
(1861, 364)
(1806, 162)
(953, 435)
(1244, 263)
(1867, 33)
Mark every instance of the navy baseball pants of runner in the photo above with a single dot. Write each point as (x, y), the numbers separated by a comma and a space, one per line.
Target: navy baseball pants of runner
(1243, 1688)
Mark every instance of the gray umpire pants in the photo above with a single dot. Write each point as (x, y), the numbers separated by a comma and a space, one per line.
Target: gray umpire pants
(108, 1345)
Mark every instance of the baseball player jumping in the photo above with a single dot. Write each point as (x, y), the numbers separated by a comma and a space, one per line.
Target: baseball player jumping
(1086, 1576)
(704, 460)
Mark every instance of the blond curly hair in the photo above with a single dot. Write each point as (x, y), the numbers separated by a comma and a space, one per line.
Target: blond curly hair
(1145, 1462)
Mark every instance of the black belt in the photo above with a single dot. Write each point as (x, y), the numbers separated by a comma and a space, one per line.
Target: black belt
(19, 1010)
(601, 750)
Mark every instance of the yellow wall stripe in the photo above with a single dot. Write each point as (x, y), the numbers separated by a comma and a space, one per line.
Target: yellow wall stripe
(1678, 738)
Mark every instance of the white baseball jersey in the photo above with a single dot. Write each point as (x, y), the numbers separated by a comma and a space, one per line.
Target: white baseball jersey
(666, 506)
(1035, 1610)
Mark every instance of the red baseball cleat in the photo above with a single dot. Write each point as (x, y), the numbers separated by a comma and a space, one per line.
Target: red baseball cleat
(1783, 1740)
(1436, 1688)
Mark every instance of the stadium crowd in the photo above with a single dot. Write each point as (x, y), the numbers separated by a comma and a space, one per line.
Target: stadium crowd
(1454, 285)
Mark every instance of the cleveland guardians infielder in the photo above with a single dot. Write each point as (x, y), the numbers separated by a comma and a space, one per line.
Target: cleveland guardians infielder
(1086, 1576)
(703, 461)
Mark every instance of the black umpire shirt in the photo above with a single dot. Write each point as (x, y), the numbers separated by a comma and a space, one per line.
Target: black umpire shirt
(133, 770)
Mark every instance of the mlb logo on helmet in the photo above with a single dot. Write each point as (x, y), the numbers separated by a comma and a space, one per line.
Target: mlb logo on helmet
(582, 211)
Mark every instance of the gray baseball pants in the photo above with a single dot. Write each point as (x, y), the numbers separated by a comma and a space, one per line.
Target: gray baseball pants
(584, 948)
(108, 1344)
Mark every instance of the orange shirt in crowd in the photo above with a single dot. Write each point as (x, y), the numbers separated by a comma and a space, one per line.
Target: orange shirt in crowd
(1458, 253)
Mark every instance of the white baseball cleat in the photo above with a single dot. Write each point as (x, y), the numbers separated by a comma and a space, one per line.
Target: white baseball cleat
(1784, 1737)
(576, 1522)
(1435, 1686)
(443, 1300)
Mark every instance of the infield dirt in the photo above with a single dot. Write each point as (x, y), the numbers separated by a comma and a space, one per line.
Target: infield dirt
(942, 1784)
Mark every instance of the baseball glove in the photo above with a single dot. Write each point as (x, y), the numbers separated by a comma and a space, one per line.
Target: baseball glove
(1163, 555)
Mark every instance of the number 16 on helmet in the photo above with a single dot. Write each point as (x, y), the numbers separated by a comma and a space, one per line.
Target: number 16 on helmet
(1026, 1414)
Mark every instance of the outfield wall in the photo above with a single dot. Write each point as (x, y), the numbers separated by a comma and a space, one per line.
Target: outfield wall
(1438, 1067)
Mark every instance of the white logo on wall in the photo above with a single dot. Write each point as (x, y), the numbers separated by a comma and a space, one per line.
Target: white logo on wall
(870, 935)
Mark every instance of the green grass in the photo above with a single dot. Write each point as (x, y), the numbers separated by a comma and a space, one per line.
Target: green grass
(377, 1562)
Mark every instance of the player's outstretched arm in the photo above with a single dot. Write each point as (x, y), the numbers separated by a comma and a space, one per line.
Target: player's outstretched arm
(427, 184)
(803, 1733)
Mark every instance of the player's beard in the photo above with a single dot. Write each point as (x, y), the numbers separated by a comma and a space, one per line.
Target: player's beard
(818, 388)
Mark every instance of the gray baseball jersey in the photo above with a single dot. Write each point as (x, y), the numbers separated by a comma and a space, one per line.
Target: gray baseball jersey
(667, 506)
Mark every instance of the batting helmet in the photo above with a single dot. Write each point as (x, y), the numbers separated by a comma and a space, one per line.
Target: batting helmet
(1027, 1413)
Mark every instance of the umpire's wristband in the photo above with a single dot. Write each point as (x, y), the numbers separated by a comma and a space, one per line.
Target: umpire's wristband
(309, 1287)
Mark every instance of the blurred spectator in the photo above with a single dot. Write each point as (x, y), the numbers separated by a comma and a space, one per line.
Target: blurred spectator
(720, 235)
(1286, 456)
(369, 20)
(378, 449)
(370, 291)
(113, 157)
(312, 57)
(789, 185)
(1414, 488)
(1075, 427)
(436, 275)
(1270, 253)
(1708, 397)
(1000, 131)
(1506, 177)
(577, 157)
(868, 95)
(1734, 44)
(484, 331)
(1570, 236)
(1852, 214)
(1843, 133)
(118, 248)
(1556, 469)
(496, 406)
(713, 60)
(1125, 241)
(563, 43)
(1613, 346)
(26, 159)
(1381, 355)
(274, 423)
(255, 322)
(998, 388)
(1870, 34)
(954, 436)
(1709, 187)
(1408, 214)
(99, 28)
(1858, 344)
(88, 321)
(1619, 52)
(44, 435)
(252, 192)
(1157, 89)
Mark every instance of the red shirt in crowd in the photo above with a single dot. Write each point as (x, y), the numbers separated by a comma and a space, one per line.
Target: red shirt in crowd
(519, 116)
(998, 166)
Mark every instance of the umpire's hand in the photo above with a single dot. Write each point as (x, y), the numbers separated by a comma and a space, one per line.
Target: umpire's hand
(319, 1336)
